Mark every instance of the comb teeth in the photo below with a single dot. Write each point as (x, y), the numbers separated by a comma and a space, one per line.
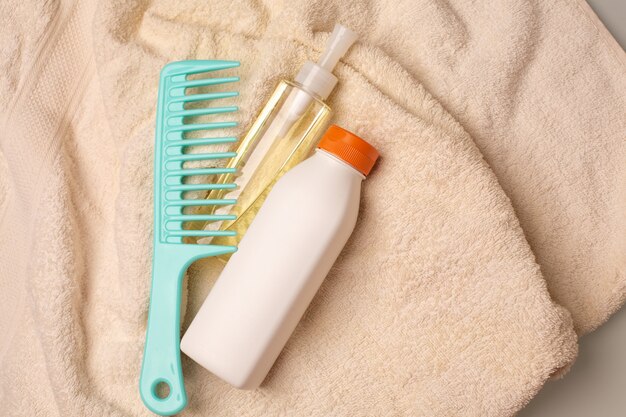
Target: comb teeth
(182, 98)
(186, 68)
(201, 126)
(204, 82)
(201, 217)
(202, 233)
(199, 142)
(174, 122)
(203, 112)
(202, 156)
(199, 171)
(200, 202)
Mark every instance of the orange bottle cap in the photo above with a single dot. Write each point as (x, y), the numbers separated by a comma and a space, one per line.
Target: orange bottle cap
(349, 148)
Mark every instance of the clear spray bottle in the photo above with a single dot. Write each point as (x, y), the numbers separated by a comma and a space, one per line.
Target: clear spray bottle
(283, 135)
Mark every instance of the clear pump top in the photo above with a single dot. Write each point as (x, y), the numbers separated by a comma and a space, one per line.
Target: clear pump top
(318, 78)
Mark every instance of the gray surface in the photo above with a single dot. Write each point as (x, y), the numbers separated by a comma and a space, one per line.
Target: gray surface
(596, 385)
(613, 15)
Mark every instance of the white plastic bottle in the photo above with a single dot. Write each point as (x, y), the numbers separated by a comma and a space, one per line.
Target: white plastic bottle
(281, 262)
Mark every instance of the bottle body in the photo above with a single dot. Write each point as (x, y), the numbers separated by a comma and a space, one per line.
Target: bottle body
(267, 285)
(283, 135)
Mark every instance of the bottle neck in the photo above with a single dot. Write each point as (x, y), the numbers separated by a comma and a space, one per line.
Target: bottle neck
(316, 79)
(340, 161)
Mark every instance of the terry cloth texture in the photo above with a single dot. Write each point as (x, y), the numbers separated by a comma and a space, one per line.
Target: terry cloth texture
(437, 305)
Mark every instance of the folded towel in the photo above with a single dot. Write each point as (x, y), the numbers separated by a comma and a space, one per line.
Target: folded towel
(436, 307)
(541, 88)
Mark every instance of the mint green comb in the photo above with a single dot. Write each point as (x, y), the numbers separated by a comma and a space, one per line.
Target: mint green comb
(161, 368)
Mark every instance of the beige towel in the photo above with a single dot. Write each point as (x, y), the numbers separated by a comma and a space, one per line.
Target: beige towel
(541, 87)
(435, 308)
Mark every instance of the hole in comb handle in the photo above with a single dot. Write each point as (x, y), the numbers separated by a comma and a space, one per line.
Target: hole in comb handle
(162, 390)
